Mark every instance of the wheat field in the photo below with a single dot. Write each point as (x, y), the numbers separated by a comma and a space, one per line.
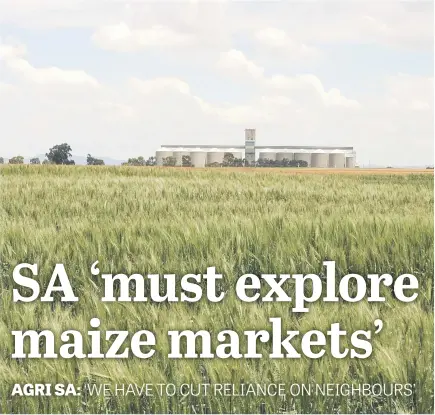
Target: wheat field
(163, 220)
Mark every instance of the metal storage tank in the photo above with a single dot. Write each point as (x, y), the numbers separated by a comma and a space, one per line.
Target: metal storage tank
(320, 160)
(198, 158)
(350, 162)
(303, 156)
(267, 155)
(337, 160)
(161, 154)
(179, 157)
(282, 156)
(215, 157)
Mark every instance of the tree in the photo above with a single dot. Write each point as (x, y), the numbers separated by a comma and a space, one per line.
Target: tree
(170, 161)
(186, 161)
(2, 160)
(228, 160)
(152, 161)
(35, 160)
(140, 161)
(93, 161)
(300, 163)
(47, 162)
(16, 160)
(264, 162)
(60, 154)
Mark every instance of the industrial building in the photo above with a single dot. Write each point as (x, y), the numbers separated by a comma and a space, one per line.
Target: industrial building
(314, 156)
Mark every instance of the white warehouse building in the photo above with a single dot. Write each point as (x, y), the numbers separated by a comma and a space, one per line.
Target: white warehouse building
(314, 156)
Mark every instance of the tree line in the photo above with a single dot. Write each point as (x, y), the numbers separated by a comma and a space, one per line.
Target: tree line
(58, 154)
(230, 161)
(61, 154)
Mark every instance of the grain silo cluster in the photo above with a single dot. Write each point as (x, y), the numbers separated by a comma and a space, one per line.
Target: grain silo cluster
(199, 157)
(250, 155)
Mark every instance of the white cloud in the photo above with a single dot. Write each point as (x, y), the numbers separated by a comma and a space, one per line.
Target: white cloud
(307, 88)
(241, 114)
(50, 75)
(159, 84)
(4, 87)
(263, 110)
(111, 108)
(281, 42)
(276, 100)
(410, 92)
(13, 57)
(395, 23)
(404, 25)
(55, 13)
(234, 62)
(234, 114)
(9, 51)
(272, 107)
(306, 85)
(121, 37)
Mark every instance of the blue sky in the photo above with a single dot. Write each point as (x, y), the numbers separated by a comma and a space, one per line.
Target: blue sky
(119, 78)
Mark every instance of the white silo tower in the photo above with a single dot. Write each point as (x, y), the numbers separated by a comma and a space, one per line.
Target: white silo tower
(161, 155)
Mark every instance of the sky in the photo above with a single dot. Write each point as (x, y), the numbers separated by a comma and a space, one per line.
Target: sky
(120, 78)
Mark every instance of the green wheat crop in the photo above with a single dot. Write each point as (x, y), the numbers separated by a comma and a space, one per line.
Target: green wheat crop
(163, 220)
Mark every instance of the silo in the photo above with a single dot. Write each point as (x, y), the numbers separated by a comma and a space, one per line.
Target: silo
(350, 162)
(179, 157)
(267, 155)
(337, 160)
(162, 154)
(320, 160)
(304, 157)
(198, 158)
(215, 157)
(282, 156)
